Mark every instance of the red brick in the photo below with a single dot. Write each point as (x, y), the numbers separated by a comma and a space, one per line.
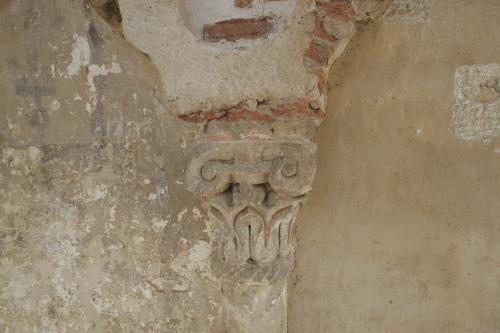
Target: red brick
(243, 3)
(200, 117)
(244, 114)
(240, 28)
(340, 10)
(320, 32)
(319, 52)
(321, 73)
(266, 112)
(290, 108)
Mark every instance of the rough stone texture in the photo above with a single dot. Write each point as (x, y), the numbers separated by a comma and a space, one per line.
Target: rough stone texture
(409, 11)
(401, 232)
(226, 77)
(476, 112)
(371, 9)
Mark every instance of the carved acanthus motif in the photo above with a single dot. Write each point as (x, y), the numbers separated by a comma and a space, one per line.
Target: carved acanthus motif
(253, 190)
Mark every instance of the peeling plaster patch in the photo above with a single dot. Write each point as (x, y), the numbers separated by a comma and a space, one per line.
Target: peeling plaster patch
(198, 255)
(476, 112)
(92, 191)
(62, 248)
(197, 214)
(34, 153)
(497, 151)
(195, 259)
(408, 11)
(159, 224)
(181, 214)
(9, 123)
(93, 72)
(55, 105)
(18, 160)
(80, 55)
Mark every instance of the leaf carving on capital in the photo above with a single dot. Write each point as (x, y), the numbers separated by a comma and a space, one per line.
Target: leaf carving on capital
(253, 190)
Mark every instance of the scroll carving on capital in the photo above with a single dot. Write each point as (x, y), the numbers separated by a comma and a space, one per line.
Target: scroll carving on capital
(252, 190)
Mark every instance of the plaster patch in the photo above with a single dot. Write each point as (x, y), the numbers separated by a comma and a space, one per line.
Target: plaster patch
(198, 254)
(476, 112)
(34, 154)
(159, 224)
(195, 259)
(55, 105)
(197, 214)
(181, 214)
(408, 11)
(80, 55)
(93, 72)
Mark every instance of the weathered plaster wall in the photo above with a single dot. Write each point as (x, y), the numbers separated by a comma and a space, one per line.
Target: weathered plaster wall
(99, 234)
(97, 231)
(401, 233)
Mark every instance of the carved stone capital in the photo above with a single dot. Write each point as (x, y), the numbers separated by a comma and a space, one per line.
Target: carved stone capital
(252, 190)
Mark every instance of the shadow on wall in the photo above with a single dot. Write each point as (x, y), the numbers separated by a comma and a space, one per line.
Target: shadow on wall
(109, 10)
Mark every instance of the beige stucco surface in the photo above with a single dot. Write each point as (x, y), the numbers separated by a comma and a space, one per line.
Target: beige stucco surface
(402, 231)
(98, 232)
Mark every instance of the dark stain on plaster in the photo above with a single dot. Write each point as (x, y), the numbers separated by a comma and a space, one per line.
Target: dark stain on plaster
(39, 115)
(94, 36)
(109, 10)
(96, 44)
(112, 11)
(35, 87)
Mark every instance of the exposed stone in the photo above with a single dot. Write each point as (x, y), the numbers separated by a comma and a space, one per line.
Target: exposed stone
(268, 111)
(476, 112)
(234, 71)
(340, 10)
(371, 9)
(409, 11)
